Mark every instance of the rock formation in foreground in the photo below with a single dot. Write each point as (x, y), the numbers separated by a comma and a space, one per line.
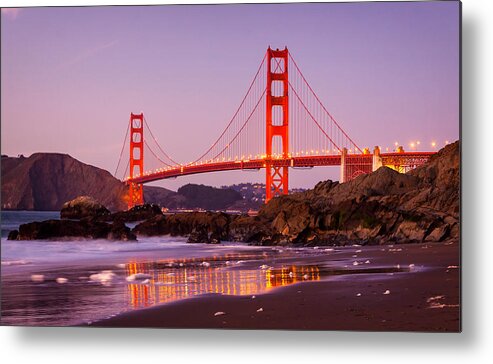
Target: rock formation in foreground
(381, 207)
(81, 207)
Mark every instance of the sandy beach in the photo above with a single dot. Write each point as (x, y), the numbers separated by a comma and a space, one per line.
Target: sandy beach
(412, 287)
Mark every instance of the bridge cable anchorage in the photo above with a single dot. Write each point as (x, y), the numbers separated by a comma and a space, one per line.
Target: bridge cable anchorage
(159, 146)
(322, 105)
(236, 113)
(121, 152)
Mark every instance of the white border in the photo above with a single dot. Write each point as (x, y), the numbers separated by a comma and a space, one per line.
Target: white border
(74, 345)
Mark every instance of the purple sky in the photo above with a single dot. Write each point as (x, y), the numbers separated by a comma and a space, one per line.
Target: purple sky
(70, 76)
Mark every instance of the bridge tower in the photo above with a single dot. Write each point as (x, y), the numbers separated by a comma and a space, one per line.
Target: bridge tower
(277, 122)
(136, 190)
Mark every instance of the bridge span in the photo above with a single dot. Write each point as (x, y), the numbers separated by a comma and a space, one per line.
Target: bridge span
(280, 124)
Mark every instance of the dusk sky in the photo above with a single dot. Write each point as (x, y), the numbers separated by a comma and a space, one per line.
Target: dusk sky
(71, 76)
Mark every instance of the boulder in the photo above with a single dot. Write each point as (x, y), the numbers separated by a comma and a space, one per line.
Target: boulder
(214, 239)
(119, 231)
(88, 228)
(13, 235)
(137, 213)
(50, 229)
(184, 224)
(156, 225)
(198, 236)
(81, 207)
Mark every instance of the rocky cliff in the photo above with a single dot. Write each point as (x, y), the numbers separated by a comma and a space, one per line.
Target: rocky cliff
(383, 206)
(45, 181)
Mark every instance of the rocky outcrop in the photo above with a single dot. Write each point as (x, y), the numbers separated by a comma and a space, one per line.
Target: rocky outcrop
(61, 229)
(136, 213)
(83, 206)
(200, 235)
(380, 207)
(184, 224)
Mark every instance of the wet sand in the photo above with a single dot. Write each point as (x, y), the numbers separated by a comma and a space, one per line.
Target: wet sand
(423, 294)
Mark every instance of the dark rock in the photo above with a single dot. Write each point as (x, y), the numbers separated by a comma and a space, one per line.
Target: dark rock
(64, 229)
(119, 231)
(156, 225)
(184, 224)
(81, 207)
(214, 239)
(88, 228)
(137, 213)
(198, 236)
(13, 235)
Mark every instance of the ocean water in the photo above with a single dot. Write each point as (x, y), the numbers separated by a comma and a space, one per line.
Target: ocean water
(70, 282)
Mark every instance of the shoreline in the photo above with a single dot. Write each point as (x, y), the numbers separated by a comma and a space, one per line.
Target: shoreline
(419, 300)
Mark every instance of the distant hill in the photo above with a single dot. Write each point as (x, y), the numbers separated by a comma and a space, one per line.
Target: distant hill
(45, 181)
(209, 198)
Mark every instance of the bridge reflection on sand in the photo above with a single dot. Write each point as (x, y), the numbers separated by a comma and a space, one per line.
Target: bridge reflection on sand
(177, 280)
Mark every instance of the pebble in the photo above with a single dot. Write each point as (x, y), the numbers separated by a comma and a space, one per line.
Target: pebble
(37, 278)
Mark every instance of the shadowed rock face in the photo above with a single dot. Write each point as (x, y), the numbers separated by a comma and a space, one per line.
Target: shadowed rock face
(136, 213)
(60, 229)
(183, 224)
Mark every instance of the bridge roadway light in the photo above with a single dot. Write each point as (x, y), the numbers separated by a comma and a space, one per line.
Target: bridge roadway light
(433, 144)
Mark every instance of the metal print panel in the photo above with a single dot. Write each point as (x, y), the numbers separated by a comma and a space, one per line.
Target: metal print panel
(275, 166)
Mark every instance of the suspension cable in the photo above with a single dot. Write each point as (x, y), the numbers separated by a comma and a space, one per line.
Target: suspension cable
(161, 149)
(321, 104)
(123, 148)
(236, 113)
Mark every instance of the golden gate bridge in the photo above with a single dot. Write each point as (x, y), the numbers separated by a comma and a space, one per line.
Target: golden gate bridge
(280, 123)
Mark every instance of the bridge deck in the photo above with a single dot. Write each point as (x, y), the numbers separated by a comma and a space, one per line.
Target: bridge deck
(406, 158)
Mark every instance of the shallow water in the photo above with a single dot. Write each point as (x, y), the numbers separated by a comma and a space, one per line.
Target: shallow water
(59, 283)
